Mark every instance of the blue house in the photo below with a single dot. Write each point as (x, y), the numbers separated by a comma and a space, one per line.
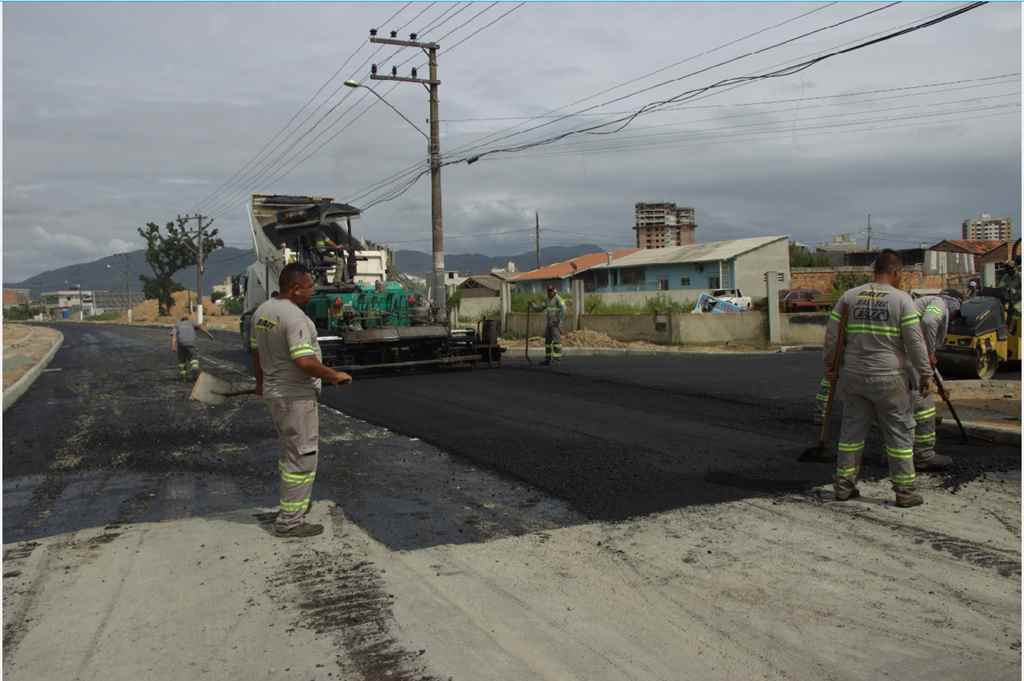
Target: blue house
(739, 263)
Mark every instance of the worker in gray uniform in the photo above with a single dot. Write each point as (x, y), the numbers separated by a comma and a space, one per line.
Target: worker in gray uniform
(935, 312)
(883, 337)
(289, 371)
(183, 342)
(553, 309)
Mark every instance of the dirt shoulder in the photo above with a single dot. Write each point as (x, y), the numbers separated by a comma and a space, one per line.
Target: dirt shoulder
(24, 346)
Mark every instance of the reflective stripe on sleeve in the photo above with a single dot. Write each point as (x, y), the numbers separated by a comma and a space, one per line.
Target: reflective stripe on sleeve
(301, 350)
(835, 315)
(910, 319)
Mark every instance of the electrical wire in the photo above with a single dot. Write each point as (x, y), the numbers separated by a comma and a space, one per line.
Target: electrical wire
(626, 120)
(373, 103)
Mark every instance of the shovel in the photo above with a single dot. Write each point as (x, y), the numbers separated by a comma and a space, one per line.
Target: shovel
(941, 387)
(212, 390)
(817, 452)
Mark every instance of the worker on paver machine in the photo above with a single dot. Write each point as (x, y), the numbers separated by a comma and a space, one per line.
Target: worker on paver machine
(883, 337)
(183, 342)
(554, 310)
(935, 312)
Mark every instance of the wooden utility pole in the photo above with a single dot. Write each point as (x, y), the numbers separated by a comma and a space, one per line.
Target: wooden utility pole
(439, 291)
(869, 233)
(182, 222)
(537, 236)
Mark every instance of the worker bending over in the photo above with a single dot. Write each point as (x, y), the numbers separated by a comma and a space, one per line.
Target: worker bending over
(287, 363)
(554, 310)
(935, 312)
(183, 342)
(883, 339)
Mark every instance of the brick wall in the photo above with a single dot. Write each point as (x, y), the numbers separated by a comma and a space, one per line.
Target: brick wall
(822, 278)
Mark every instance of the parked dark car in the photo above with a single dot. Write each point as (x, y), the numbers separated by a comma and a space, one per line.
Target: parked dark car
(804, 300)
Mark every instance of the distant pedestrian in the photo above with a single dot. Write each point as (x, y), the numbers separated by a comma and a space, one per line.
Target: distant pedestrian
(554, 311)
(289, 370)
(183, 341)
(883, 339)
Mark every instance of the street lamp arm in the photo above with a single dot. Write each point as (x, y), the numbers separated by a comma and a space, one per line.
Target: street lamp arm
(355, 84)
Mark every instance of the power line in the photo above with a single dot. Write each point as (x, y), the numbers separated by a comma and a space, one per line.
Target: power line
(297, 113)
(373, 103)
(985, 81)
(625, 121)
(496, 136)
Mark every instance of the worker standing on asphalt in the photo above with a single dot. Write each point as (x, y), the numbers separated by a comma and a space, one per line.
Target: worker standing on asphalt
(183, 342)
(287, 363)
(883, 342)
(934, 312)
(554, 310)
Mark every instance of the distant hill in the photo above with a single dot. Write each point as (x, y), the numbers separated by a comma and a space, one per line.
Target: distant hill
(96, 275)
(225, 262)
(419, 263)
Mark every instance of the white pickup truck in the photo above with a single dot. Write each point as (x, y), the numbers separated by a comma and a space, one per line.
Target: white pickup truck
(734, 296)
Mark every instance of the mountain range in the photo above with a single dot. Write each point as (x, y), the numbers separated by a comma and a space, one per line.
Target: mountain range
(109, 273)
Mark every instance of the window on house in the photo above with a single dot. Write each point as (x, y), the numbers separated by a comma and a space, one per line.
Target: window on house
(700, 268)
(714, 282)
(663, 284)
(684, 281)
(632, 276)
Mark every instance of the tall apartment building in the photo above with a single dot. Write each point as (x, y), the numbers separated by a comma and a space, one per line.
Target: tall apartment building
(987, 228)
(660, 225)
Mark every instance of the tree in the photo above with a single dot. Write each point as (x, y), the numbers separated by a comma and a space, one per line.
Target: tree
(801, 257)
(167, 253)
(217, 295)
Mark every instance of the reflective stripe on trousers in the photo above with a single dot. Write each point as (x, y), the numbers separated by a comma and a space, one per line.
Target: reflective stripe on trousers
(553, 341)
(886, 401)
(298, 428)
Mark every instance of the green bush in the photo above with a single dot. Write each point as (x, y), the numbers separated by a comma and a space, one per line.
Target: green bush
(21, 313)
(108, 316)
(232, 305)
(217, 295)
(659, 304)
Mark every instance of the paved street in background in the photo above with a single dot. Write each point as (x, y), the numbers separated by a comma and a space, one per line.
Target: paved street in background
(615, 517)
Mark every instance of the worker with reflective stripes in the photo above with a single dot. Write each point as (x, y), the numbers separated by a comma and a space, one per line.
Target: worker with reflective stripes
(330, 252)
(883, 339)
(287, 363)
(934, 312)
(183, 342)
(554, 310)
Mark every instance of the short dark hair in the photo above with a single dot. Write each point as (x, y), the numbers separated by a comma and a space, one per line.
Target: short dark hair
(888, 262)
(291, 275)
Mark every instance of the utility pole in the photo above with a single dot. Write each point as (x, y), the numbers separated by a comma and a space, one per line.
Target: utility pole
(182, 222)
(439, 291)
(869, 232)
(536, 216)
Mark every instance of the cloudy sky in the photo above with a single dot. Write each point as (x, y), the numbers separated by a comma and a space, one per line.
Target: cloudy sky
(119, 114)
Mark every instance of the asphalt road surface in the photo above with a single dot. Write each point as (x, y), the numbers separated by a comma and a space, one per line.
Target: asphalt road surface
(488, 524)
(614, 437)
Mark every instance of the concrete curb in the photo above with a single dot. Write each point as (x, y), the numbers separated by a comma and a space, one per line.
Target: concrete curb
(513, 352)
(1000, 436)
(22, 385)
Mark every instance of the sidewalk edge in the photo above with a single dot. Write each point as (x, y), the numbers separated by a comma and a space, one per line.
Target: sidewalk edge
(1002, 436)
(21, 386)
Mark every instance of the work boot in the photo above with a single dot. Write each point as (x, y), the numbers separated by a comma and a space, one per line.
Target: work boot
(300, 530)
(844, 490)
(547, 362)
(907, 497)
(938, 462)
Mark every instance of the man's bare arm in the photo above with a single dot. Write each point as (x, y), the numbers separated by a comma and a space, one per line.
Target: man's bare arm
(313, 368)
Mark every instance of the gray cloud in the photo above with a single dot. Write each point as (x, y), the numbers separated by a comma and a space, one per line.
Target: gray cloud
(139, 111)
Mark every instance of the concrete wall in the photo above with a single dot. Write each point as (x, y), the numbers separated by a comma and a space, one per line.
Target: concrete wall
(709, 329)
(804, 328)
(750, 268)
(472, 309)
(630, 327)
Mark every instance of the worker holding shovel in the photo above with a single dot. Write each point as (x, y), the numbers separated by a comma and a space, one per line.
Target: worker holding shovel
(289, 372)
(882, 336)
